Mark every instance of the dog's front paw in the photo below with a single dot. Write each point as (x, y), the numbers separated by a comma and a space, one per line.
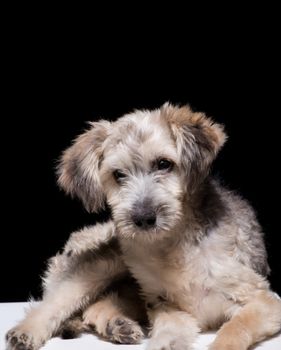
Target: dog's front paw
(124, 331)
(19, 340)
(166, 341)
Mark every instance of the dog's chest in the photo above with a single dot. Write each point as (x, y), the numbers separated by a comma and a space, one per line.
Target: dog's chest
(182, 279)
(170, 274)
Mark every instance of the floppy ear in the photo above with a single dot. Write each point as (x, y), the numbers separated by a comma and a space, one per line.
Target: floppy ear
(198, 141)
(78, 167)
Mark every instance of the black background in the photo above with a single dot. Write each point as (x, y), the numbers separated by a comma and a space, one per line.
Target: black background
(54, 85)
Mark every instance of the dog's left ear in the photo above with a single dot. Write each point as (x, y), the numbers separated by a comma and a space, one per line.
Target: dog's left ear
(78, 169)
(198, 140)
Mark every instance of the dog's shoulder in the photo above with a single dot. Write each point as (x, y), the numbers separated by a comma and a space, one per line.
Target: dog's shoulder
(232, 218)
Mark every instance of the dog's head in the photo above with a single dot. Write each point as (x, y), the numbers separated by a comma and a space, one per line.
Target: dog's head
(146, 165)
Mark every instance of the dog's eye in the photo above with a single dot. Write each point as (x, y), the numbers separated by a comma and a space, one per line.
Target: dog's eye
(118, 175)
(164, 164)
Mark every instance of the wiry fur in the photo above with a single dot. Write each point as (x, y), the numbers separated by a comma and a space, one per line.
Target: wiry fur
(202, 264)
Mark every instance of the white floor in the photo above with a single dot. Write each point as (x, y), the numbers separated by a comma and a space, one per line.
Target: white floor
(10, 313)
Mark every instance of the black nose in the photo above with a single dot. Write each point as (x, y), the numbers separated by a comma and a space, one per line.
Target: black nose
(144, 218)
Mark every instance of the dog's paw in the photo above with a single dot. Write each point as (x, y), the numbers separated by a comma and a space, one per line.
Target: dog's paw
(18, 340)
(124, 331)
(165, 341)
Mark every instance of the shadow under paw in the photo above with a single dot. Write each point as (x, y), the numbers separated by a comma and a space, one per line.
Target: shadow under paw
(124, 331)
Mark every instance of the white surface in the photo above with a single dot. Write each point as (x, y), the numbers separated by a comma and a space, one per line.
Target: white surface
(11, 313)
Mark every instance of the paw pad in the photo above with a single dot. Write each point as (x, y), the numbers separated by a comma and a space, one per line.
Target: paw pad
(124, 331)
(18, 341)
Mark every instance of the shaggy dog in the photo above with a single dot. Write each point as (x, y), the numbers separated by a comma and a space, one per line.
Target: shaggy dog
(195, 249)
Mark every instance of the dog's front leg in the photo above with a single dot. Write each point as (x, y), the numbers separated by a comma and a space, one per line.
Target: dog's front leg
(171, 329)
(258, 319)
(71, 294)
(43, 319)
(90, 238)
(73, 279)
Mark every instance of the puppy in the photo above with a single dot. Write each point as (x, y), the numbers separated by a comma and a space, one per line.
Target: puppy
(195, 249)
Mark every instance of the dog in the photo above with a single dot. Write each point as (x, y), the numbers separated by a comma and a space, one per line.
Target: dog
(180, 248)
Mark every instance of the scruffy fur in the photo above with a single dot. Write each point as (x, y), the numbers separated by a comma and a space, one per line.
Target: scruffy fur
(195, 249)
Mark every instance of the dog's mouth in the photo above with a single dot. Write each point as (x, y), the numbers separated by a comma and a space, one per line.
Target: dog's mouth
(129, 227)
(151, 227)
(133, 231)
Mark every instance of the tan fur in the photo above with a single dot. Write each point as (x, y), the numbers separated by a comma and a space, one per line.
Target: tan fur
(107, 317)
(252, 324)
(179, 117)
(195, 249)
(77, 176)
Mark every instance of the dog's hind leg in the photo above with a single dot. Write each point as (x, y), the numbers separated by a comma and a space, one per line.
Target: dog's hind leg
(116, 316)
(258, 319)
(109, 320)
